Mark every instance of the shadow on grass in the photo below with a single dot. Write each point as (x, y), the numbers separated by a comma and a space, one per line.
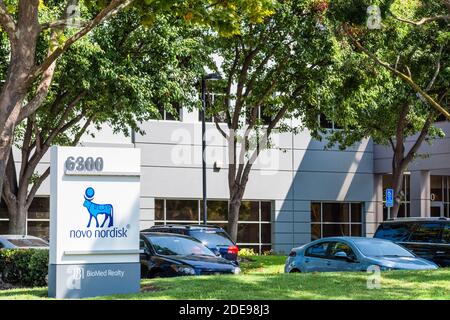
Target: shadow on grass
(24, 293)
(394, 285)
(418, 285)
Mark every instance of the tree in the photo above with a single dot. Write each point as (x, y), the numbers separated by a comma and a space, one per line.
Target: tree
(433, 27)
(370, 99)
(55, 26)
(275, 67)
(122, 74)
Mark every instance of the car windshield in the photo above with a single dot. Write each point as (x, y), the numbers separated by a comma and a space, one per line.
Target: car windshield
(28, 242)
(170, 246)
(372, 248)
(212, 238)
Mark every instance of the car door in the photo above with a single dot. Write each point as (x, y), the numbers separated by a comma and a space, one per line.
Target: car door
(144, 258)
(442, 254)
(342, 264)
(425, 239)
(316, 257)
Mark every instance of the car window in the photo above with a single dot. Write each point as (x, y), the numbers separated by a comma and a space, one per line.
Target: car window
(446, 234)
(318, 250)
(212, 238)
(341, 246)
(427, 232)
(379, 248)
(394, 231)
(174, 245)
(141, 244)
(28, 242)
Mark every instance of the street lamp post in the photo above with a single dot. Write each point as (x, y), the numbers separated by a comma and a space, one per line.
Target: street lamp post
(211, 76)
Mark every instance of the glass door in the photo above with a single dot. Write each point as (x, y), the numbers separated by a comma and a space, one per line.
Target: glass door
(437, 209)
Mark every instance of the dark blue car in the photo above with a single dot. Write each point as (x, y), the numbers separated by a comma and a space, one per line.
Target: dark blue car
(214, 237)
(170, 255)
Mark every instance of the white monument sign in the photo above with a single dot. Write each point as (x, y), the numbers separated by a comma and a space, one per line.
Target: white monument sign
(94, 221)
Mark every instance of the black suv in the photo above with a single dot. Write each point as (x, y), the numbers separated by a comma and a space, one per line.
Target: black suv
(213, 237)
(428, 238)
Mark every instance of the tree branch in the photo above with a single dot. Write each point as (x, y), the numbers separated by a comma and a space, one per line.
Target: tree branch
(36, 186)
(113, 7)
(223, 133)
(423, 133)
(7, 22)
(83, 130)
(423, 21)
(401, 75)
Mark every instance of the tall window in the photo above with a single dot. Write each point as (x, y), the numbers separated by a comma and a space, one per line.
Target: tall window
(405, 202)
(38, 220)
(172, 113)
(214, 100)
(330, 219)
(440, 196)
(254, 226)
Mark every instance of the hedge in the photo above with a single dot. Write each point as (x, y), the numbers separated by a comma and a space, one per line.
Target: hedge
(24, 267)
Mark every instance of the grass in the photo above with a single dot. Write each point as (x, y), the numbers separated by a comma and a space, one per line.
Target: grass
(263, 278)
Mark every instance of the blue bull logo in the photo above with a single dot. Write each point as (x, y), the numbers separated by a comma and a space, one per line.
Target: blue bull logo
(95, 209)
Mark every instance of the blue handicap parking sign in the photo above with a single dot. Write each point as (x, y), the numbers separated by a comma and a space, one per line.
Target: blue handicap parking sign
(389, 198)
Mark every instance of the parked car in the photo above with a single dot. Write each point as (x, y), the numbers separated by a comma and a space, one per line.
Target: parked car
(353, 254)
(214, 237)
(428, 238)
(168, 255)
(22, 242)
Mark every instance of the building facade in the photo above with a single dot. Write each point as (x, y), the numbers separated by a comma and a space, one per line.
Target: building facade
(298, 191)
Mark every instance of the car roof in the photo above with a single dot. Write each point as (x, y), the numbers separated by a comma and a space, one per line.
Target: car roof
(18, 237)
(164, 234)
(417, 219)
(186, 226)
(351, 239)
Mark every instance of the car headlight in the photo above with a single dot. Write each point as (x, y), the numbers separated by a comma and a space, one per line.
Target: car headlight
(237, 270)
(187, 270)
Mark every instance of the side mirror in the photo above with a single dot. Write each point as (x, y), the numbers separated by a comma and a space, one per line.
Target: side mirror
(341, 255)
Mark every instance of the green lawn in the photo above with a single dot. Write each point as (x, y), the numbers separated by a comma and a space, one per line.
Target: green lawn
(263, 278)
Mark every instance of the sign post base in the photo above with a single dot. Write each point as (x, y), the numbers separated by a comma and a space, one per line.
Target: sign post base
(75, 281)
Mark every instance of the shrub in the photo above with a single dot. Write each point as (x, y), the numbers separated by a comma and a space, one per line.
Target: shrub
(24, 267)
(245, 252)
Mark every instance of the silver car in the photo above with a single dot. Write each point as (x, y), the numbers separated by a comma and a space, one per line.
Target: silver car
(22, 242)
(353, 254)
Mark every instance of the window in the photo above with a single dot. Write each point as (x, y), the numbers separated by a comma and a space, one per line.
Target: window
(342, 247)
(446, 234)
(335, 219)
(254, 226)
(436, 188)
(182, 210)
(404, 210)
(440, 194)
(427, 232)
(4, 226)
(394, 231)
(213, 99)
(141, 244)
(318, 250)
(327, 123)
(172, 113)
(263, 116)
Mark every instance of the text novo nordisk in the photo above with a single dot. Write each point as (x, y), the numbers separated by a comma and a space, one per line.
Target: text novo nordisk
(105, 233)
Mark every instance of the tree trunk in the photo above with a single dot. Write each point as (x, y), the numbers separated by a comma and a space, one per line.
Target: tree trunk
(6, 140)
(17, 219)
(233, 218)
(397, 183)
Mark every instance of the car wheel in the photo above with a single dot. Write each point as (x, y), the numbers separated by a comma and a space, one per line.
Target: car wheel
(294, 271)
